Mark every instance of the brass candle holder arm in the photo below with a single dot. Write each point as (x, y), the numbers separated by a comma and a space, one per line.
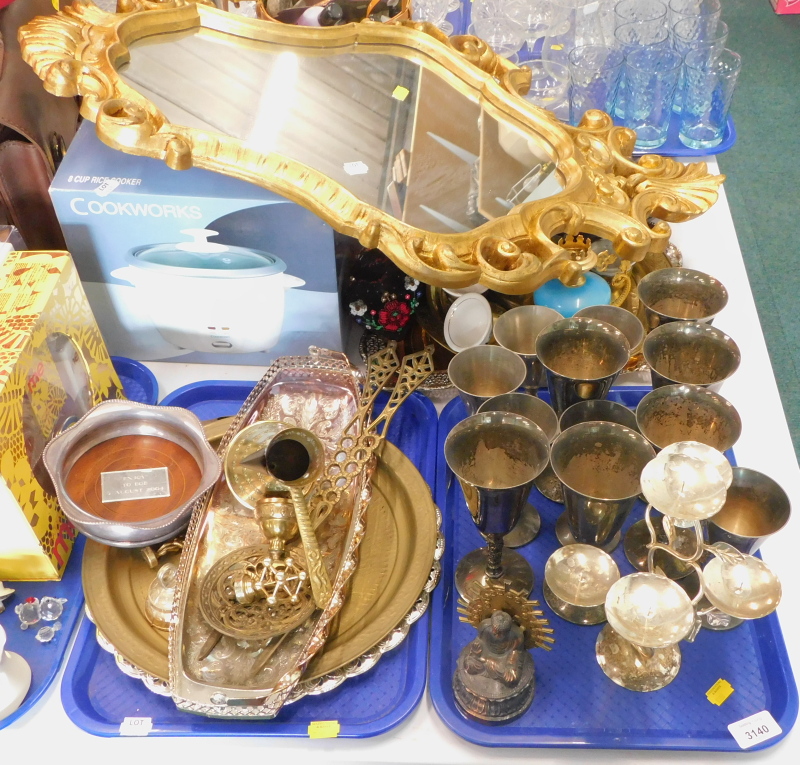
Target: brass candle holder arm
(320, 582)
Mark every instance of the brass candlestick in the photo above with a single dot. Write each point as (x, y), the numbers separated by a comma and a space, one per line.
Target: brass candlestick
(296, 457)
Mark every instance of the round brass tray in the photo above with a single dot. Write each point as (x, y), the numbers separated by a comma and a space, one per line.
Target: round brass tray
(398, 568)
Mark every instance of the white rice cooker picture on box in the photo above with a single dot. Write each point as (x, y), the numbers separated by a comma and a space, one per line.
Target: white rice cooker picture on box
(209, 297)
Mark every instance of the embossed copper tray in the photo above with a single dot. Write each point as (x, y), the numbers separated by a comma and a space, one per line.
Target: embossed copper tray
(396, 558)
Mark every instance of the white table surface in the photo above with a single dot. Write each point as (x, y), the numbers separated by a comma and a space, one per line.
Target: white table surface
(708, 243)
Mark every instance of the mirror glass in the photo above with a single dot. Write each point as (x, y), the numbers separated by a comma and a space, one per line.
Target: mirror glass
(389, 129)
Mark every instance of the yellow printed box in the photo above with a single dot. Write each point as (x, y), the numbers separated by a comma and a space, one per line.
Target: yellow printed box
(54, 367)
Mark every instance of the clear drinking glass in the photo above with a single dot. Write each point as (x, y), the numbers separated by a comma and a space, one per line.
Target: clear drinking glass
(708, 90)
(486, 9)
(652, 76)
(503, 35)
(650, 11)
(628, 38)
(595, 71)
(681, 9)
(535, 15)
(434, 11)
(608, 20)
(549, 87)
(575, 23)
(695, 33)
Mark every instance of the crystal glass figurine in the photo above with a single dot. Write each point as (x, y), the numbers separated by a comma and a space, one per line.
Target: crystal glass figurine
(51, 609)
(46, 634)
(28, 613)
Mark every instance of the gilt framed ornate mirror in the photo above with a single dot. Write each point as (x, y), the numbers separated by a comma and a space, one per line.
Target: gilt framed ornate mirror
(412, 142)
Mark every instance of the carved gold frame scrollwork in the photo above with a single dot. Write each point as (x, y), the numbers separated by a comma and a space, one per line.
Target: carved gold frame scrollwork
(605, 192)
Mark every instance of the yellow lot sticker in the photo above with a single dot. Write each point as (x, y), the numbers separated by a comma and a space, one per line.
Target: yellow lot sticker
(719, 692)
(323, 729)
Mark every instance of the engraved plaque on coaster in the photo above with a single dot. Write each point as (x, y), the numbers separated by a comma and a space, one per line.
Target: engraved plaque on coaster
(121, 485)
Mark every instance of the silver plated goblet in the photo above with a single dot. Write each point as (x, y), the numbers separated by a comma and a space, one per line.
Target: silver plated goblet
(483, 372)
(625, 321)
(542, 414)
(496, 457)
(582, 358)
(680, 294)
(690, 352)
(517, 331)
(599, 464)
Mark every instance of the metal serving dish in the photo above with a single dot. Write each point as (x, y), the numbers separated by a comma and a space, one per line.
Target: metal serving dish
(180, 446)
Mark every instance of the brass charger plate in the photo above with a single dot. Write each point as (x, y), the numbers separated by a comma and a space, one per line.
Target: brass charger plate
(400, 548)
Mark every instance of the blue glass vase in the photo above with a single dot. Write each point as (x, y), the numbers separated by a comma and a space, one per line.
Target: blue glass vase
(569, 300)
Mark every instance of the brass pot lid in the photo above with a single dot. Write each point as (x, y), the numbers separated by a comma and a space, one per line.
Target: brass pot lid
(395, 560)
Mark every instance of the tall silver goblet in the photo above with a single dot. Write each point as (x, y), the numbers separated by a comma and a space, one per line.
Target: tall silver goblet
(542, 414)
(483, 372)
(690, 352)
(582, 358)
(599, 464)
(517, 331)
(675, 413)
(598, 410)
(680, 294)
(755, 508)
(496, 457)
(592, 410)
(625, 321)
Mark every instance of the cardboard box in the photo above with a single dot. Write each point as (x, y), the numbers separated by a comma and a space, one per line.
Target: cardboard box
(54, 367)
(112, 206)
(786, 6)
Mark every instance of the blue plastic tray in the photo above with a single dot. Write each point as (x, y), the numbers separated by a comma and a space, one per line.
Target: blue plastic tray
(575, 704)
(97, 696)
(674, 148)
(44, 658)
(138, 382)
(211, 399)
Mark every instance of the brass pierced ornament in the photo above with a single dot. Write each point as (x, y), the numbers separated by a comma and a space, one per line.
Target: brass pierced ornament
(249, 595)
(259, 591)
(361, 436)
(498, 596)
